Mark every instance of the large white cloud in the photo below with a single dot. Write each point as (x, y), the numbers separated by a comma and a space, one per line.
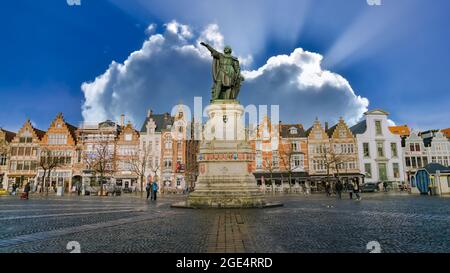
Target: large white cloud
(172, 67)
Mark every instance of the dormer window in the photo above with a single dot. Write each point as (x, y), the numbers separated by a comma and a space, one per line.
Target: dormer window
(378, 129)
(293, 131)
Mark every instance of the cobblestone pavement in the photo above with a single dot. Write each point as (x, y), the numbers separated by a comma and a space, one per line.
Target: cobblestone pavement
(400, 223)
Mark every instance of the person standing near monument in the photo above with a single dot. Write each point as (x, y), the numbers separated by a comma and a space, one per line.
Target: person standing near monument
(356, 190)
(339, 188)
(148, 189)
(350, 189)
(154, 190)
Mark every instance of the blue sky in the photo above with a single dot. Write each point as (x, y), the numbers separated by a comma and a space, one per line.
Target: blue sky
(395, 55)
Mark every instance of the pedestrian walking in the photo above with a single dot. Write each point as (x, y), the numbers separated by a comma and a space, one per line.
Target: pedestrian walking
(328, 188)
(14, 189)
(339, 187)
(26, 192)
(385, 186)
(350, 189)
(430, 189)
(356, 190)
(154, 190)
(148, 189)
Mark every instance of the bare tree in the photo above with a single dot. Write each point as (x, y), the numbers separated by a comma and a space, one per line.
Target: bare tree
(139, 162)
(269, 167)
(286, 156)
(101, 160)
(48, 162)
(333, 160)
(154, 168)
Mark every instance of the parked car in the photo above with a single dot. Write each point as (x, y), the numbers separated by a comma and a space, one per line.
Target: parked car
(370, 187)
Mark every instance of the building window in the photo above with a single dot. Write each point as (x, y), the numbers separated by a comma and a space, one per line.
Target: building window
(258, 161)
(168, 145)
(414, 162)
(19, 165)
(13, 165)
(408, 161)
(275, 161)
(366, 149)
(297, 162)
(394, 150)
(396, 170)
(57, 139)
(368, 170)
(295, 146)
(318, 135)
(3, 159)
(293, 131)
(167, 163)
(25, 139)
(417, 147)
(342, 133)
(380, 149)
(378, 130)
(128, 137)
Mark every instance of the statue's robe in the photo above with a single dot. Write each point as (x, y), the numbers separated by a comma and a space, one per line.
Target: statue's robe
(224, 70)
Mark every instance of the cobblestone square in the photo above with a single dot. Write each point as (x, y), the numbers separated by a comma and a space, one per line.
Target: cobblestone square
(398, 222)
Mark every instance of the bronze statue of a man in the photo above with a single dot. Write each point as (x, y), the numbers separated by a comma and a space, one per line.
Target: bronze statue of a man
(226, 74)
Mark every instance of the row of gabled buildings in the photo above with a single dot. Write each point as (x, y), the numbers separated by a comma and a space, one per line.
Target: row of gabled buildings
(285, 154)
(93, 154)
(370, 151)
(366, 152)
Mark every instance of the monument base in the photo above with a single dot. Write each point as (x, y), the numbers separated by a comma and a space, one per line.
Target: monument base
(225, 163)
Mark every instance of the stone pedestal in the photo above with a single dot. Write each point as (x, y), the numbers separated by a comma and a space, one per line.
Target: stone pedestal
(225, 162)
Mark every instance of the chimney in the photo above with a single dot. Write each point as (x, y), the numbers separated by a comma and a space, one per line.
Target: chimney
(122, 120)
(326, 126)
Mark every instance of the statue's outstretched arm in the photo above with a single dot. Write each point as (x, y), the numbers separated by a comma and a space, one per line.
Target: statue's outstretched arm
(214, 52)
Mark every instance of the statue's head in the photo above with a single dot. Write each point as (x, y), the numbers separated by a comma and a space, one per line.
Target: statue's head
(227, 50)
